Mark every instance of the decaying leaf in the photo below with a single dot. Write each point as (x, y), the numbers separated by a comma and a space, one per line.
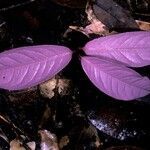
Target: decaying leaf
(63, 142)
(48, 140)
(113, 15)
(47, 88)
(143, 25)
(17, 145)
(96, 26)
(56, 84)
(64, 87)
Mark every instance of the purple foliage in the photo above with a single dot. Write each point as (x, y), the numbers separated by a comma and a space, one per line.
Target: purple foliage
(106, 67)
(114, 79)
(130, 48)
(28, 66)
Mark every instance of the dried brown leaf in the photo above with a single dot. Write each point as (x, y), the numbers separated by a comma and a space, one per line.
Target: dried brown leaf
(47, 88)
(95, 26)
(64, 87)
(143, 25)
(17, 145)
(48, 140)
(63, 141)
(54, 86)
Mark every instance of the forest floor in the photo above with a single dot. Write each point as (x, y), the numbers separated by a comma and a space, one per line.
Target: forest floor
(60, 112)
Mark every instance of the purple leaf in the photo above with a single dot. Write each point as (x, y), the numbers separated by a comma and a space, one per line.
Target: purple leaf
(114, 79)
(28, 66)
(130, 48)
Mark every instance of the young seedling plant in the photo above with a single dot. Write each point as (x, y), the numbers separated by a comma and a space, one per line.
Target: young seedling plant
(108, 64)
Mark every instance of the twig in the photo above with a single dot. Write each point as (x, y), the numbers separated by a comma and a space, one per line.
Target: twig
(12, 125)
(141, 14)
(3, 23)
(15, 6)
(15, 128)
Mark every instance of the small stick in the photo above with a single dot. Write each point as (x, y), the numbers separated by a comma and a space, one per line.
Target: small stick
(15, 6)
(13, 125)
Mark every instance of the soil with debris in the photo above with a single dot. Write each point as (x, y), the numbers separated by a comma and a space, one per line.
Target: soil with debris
(67, 112)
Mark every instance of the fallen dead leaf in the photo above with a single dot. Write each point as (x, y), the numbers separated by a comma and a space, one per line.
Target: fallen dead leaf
(143, 25)
(55, 85)
(47, 88)
(48, 140)
(63, 141)
(17, 145)
(95, 26)
(113, 15)
(64, 87)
